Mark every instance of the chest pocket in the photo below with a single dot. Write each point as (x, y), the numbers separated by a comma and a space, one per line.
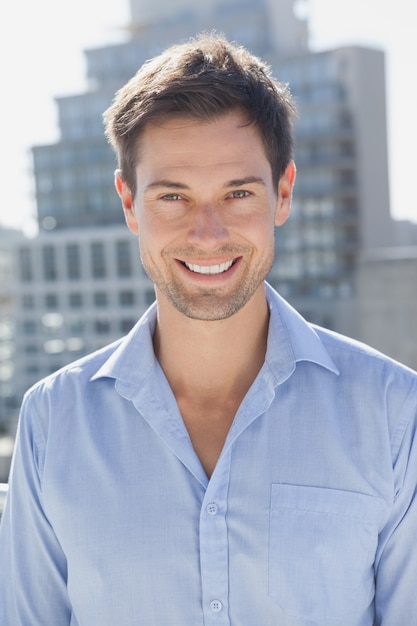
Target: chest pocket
(321, 552)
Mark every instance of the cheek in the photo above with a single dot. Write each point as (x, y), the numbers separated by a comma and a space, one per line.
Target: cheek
(260, 231)
(153, 239)
(265, 243)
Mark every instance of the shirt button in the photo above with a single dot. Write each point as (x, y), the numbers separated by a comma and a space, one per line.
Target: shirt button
(212, 508)
(216, 606)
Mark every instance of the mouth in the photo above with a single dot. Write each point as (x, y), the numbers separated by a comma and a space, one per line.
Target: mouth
(209, 269)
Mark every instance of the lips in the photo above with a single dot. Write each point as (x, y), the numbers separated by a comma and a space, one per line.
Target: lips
(209, 269)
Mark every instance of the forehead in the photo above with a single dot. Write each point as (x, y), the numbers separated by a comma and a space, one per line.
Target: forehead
(189, 141)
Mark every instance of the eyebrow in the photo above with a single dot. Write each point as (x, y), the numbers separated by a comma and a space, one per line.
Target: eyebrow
(241, 182)
(236, 182)
(166, 183)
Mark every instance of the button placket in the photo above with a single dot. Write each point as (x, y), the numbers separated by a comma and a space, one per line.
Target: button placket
(214, 549)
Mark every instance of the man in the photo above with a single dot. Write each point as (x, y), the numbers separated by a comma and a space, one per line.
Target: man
(226, 463)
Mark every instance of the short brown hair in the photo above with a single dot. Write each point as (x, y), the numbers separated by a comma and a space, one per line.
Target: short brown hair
(204, 78)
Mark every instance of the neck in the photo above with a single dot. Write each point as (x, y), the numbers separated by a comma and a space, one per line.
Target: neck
(205, 359)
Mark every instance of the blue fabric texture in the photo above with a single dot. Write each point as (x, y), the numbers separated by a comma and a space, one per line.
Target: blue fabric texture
(309, 519)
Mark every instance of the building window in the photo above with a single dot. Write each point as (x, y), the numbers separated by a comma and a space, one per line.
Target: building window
(31, 349)
(100, 299)
(126, 325)
(149, 296)
(51, 301)
(73, 261)
(54, 346)
(25, 265)
(28, 301)
(98, 260)
(102, 327)
(123, 258)
(126, 298)
(49, 263)
(29, 327)
(75, 300)
(75, 344)
(77, 327)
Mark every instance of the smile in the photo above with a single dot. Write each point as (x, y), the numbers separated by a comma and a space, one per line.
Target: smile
(209, 269)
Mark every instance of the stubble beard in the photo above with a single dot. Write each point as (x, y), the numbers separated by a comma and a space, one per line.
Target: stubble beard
(209, 306)
(214, 304)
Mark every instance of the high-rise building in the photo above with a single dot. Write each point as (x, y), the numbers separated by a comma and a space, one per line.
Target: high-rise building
(10, 240)
(70, 295)
(341, 195)
(74, 176)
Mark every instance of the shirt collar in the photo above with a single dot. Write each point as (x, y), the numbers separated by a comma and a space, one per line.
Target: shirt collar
(290, 340)
(134, 358)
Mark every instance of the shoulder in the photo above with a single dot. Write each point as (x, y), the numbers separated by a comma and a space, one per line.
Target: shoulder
(348, 350)
(379, 384)
(80, 371)
(369, 370)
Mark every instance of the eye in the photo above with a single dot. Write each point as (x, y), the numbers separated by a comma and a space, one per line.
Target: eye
(239, 193)
(171, 197)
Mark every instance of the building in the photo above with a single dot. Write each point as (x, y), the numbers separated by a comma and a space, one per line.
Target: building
(9, 394)
(406, 233)
(75, 290)
(340, 206)
(79, 284)
(74, 176)
(387, 302)
(342, 189)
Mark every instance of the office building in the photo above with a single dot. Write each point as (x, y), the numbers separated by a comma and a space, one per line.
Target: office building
(387, 302)
(70, 295)
(75, 290)
(341, 196)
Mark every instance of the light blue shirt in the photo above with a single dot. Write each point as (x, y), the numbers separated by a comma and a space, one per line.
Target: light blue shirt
(309, 519)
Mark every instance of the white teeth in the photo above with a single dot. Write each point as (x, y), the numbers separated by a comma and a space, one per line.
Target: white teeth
(209, 269)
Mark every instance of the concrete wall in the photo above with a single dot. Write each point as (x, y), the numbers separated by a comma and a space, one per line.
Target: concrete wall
(387, 303)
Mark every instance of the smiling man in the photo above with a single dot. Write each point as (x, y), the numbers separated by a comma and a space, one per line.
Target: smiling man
(204, 209)
(226, 463)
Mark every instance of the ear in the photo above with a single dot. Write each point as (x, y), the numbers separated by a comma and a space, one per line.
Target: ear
(125, 196)
(285, 188)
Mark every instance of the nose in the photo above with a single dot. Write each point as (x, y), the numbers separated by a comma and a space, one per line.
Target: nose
(208, 228)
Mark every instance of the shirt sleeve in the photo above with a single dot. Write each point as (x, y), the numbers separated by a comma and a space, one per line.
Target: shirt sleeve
(33, 590)
(396, 566)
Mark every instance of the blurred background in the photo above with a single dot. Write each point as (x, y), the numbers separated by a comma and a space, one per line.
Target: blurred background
(70, 276)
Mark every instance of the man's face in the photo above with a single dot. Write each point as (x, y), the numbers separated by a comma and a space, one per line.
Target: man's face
(204, 212)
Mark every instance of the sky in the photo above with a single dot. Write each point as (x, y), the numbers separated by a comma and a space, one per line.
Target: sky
(42, 48)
